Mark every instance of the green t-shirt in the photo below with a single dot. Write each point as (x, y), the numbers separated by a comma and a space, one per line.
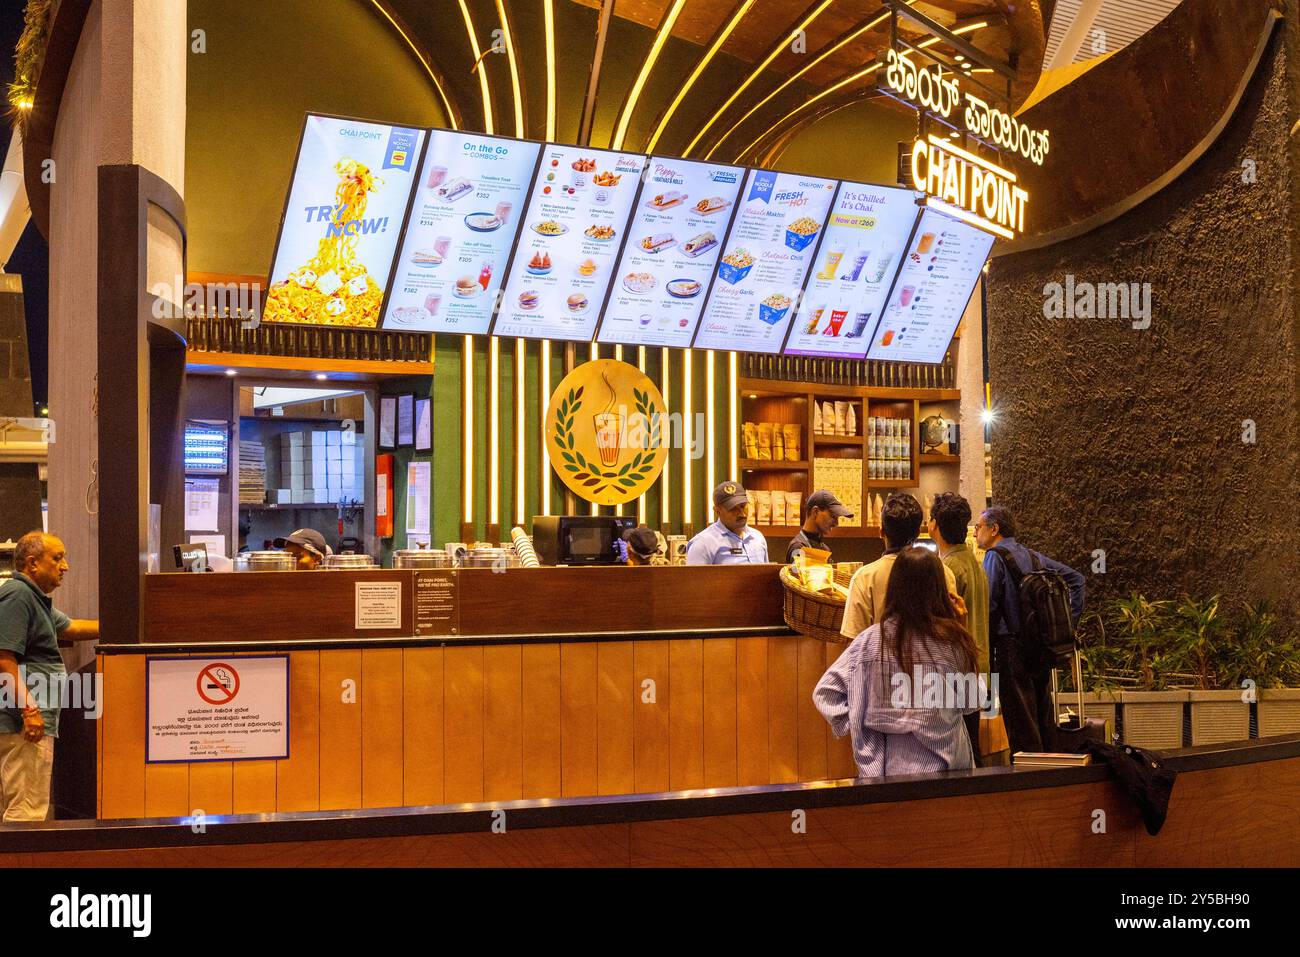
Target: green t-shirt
(973, 587)
(29, 627)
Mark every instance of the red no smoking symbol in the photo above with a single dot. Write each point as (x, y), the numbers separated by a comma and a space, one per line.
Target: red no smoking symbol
(218, 683)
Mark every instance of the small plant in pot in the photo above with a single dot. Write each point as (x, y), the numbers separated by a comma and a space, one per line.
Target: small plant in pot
(1267, 662)
(1206, 647)
(1153, 716)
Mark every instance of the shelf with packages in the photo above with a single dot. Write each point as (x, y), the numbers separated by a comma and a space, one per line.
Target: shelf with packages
(771, 465)
(939, 458)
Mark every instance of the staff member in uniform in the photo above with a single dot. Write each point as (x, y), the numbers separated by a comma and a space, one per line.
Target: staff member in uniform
(643, 547)
(306, 545)
(31, 629)
(729, 540)
(823, 512)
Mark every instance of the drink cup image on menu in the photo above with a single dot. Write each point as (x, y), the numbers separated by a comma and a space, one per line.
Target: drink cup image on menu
(927, 240)
(905, 296)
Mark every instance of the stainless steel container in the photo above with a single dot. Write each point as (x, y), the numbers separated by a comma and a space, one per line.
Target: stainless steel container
(421, 558)
(266, 562)
(335, 562)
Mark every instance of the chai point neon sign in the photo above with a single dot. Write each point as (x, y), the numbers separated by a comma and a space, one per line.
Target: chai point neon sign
(969, 187)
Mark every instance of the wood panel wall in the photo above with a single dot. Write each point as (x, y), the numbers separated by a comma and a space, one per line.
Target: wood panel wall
(465, 723)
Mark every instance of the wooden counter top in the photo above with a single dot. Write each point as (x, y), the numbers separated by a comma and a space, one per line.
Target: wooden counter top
(302, 606)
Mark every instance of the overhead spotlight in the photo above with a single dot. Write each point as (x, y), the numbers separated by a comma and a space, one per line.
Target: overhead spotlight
(986, 416)
(231, 372)
(321, 377)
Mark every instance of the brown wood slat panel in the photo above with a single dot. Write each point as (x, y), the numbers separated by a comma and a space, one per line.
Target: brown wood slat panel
(650, 719)
(839, 754)
(340, 729)
(422, 720)
(212, 788)
(254, 786)
(122, 754)
(503, 719)
(268, 605)
(751, 711)
(541, 731)
(686, 714)
(812, 727)
(783, 710)
(381, 727)
(463, 724)
(579, 775)
(720, 748)
(614, 717)
(298, 776)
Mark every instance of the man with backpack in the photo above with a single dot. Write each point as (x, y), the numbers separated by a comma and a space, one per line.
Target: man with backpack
(1034, 605)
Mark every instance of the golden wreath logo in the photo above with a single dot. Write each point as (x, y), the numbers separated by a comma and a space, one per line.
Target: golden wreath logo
(607, 423)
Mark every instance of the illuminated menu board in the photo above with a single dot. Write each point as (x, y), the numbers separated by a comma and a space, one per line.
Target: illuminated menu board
(865, 242)
(341, 222)
(463, 224)
(942, 266)
(568, 243)
(762, 270)
(673, 244)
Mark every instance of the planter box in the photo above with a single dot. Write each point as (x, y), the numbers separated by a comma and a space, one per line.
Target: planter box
(1278, 711)
(1153, 719)
(1219, 716)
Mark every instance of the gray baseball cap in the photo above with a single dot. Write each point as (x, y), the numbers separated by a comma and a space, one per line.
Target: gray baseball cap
(729, 495)
(824, 499)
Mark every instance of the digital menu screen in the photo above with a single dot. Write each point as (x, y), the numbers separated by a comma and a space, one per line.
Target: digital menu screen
(673, 245)
(569, 241)
(864, 243)
(341, 223)
(468, 199)
(942, 266)
(761, 273)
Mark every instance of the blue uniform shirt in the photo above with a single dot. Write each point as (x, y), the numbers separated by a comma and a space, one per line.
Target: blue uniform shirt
(718, 545)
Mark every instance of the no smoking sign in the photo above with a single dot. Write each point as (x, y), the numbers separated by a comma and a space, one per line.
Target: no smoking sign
(218, 683)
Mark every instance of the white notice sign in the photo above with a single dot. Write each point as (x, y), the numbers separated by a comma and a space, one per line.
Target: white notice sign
(379, 604)
(234, 708)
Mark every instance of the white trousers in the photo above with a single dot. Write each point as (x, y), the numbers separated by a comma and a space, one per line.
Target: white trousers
(25, 770)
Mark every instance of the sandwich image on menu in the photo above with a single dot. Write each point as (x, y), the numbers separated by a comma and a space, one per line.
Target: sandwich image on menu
(760, 276)
(463, 224)
(672, 249)
(564, 263)
(865, 243)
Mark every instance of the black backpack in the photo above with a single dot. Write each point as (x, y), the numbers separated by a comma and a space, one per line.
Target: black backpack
(1045, 621)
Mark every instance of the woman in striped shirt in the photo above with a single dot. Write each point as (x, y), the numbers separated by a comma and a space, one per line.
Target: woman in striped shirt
(901, 687)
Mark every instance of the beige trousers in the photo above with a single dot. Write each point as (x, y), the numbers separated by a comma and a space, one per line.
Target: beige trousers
(25, 769)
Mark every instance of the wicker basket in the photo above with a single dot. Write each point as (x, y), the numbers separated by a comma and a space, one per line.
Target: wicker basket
(811, 614)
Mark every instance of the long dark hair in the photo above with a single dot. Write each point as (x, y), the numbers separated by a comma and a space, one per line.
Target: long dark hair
(917, 602)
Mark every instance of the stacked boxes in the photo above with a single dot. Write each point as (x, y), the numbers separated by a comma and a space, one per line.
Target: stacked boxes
(843, 478)
(321, 467)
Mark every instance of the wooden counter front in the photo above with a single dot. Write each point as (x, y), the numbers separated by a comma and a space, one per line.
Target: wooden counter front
(306, 606)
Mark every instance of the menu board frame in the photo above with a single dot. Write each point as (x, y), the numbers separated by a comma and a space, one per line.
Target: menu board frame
(708, 288)
(525, 199)
(726, 240)
(919, 206)
(401, 233)
(527, 206)
(979, 274)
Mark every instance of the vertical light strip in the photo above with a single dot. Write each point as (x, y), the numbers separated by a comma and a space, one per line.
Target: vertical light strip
(480, 68)
(757, 72)
(593, 355)
(629, 105)
(687, 359)
(548, 17)
(640, 502)
(665, 496)
(467, 424)
(514, 69)
(494, 431)
(428, 67)
(521, 420)
(699, 69)
(733, 415)
(544, 458)
(618, 356)
(710, 427)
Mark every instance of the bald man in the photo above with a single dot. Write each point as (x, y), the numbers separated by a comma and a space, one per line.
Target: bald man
(31, 630)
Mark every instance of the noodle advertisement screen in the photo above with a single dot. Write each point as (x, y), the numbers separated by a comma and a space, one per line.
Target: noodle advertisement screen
(773, 239)
(930, 295)
(346, 206)
(469, 199)
(672, 246)
(865, 241)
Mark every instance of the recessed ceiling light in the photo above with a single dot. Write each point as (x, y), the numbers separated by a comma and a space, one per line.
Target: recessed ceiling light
(321, 377)
(231, 372)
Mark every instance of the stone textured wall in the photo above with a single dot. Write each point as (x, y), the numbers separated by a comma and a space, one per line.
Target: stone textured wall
(20, 489)
(1131, 441)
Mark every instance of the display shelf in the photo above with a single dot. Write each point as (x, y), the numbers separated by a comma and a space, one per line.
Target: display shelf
(837, 439)
(893, 483)
(939, 458)
(821, 390)
(773, 465)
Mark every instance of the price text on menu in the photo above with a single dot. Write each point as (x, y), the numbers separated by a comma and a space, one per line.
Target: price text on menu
(463, 224)
(564, 262)
(935, 284)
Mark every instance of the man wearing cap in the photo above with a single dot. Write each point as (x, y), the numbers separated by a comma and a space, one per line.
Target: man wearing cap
(729, 540)
(306, 545)
(822, 513)
(643, 547)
